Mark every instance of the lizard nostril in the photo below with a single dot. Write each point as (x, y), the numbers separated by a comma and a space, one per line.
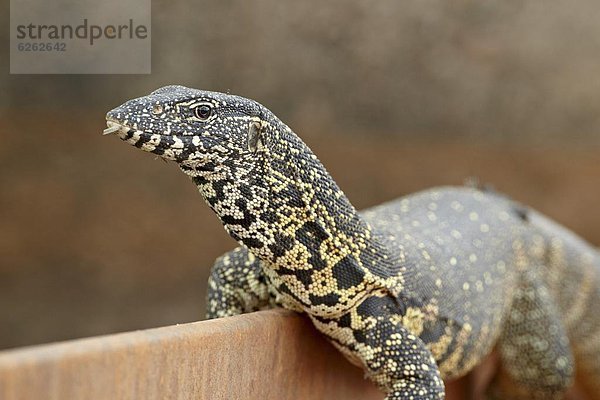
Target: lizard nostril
(157, 109)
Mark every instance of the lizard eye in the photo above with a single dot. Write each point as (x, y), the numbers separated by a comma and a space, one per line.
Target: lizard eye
(203, 112)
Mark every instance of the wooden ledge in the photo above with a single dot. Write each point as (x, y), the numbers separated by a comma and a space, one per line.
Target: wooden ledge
(273, 354)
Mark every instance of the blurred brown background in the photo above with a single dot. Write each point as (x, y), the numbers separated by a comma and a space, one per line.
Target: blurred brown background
(97, 237)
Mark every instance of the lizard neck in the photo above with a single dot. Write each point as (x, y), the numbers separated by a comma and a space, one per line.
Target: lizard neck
(319, 253)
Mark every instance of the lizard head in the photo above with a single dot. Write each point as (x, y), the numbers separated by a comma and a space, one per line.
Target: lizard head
(267, 187)
(204, 132)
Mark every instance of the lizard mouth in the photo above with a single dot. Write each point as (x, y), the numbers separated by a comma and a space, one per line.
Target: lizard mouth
(116, 128)
(170, 147)
(187, 151)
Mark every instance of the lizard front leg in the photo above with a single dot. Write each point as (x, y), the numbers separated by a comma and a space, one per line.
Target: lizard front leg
(236, 285)
(372, 335)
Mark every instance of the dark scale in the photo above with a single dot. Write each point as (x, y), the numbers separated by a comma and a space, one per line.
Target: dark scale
(415, 290)
(346, 275)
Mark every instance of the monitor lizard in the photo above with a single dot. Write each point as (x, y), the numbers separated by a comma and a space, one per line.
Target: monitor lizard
(414, 291)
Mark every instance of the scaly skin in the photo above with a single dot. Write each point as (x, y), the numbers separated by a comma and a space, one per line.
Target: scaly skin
(415, 290)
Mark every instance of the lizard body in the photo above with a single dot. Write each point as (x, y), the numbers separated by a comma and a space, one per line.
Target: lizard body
(415, 290)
